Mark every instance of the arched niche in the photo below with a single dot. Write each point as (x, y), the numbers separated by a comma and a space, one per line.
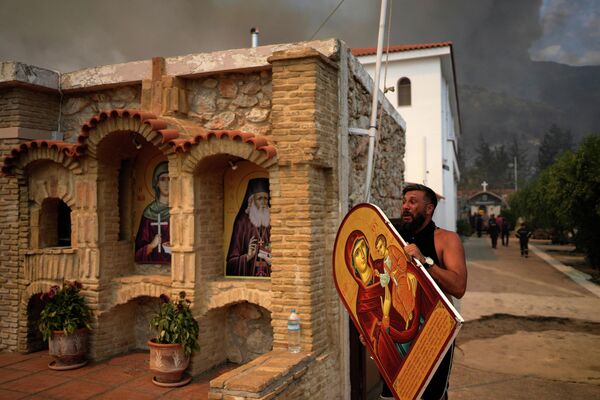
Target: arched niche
(236, 333)
(35, 340)
(51, 202)
(220, 184)
(125, 327)
(126, 162)
(54, 223)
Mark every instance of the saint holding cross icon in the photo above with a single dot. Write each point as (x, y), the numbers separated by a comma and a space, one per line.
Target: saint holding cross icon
(152, 240)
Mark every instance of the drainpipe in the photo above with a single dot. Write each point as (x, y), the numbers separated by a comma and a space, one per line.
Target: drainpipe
(372, 125)
(254, 33)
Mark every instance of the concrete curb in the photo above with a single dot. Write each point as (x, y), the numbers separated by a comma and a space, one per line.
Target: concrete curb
(580, 278)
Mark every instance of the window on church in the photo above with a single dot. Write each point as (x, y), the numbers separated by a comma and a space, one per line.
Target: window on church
(404, 92)
(55, 224)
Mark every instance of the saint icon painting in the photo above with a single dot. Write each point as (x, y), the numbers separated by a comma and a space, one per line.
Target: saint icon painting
(249, 251)
(405, 320)
(152, 244)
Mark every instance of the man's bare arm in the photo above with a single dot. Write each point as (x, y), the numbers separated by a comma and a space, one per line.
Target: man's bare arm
(453, 278)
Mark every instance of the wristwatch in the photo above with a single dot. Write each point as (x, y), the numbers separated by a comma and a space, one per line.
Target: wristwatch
(428, 262)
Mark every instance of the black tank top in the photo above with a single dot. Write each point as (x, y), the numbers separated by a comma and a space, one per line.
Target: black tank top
(424, 241)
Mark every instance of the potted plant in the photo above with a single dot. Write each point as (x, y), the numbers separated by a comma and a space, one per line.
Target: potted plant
(65, 323)
(176, 337)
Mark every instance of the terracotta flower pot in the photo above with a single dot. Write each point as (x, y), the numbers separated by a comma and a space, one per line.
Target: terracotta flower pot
(68, 350)
(167, 362)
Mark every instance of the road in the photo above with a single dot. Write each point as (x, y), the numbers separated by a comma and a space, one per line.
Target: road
(530, 332)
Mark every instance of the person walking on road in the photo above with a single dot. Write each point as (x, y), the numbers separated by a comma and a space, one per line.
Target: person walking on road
(523, 234)
(479, 224)
(505, 231)
(493, 230)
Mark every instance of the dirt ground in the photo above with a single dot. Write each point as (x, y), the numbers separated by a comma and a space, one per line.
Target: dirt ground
(530, 331)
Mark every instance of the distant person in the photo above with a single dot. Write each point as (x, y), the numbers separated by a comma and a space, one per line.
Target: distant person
(479, 225)
(499, 221)
(493, 230)
(523, 234)
(505, 230)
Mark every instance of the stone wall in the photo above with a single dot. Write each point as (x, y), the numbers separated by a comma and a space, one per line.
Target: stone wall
(25, 108)
(249, 332)
(78, 108)
(388, 165)
(232, 101)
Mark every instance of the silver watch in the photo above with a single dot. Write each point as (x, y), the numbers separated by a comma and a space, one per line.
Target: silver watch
(428, 262)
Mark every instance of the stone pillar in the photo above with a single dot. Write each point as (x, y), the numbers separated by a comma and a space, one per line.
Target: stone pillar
(10, 259)
(304, 191)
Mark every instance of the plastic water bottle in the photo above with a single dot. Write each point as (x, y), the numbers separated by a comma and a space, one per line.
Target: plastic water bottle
(294, 332)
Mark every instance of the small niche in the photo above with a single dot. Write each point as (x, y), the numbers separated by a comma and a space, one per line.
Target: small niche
(55, 224)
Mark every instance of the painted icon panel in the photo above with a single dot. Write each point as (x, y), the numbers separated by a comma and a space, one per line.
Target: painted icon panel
(152, 240)
(247, 233)
(407, 323)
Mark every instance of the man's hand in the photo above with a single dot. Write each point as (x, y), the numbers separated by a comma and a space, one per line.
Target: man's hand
(413, 251)
(252, 248)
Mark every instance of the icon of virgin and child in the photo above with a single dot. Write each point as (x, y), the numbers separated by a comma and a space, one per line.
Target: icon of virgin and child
(152, 242)
(390, 304)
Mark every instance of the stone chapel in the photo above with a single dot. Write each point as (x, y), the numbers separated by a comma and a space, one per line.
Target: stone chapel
(87, 155)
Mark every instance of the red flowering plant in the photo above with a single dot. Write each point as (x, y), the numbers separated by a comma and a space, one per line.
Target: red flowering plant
(65, 310)
(175, 324)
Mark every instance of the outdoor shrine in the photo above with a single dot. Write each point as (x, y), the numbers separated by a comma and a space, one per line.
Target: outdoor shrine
(224, 175)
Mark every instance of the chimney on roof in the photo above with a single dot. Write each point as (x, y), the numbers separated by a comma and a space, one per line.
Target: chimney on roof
(254, 34)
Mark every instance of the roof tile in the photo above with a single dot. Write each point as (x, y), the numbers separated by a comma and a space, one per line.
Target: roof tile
(369, 51)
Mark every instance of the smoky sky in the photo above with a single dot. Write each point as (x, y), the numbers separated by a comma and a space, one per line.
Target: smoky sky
(497, 43)
(493, 40)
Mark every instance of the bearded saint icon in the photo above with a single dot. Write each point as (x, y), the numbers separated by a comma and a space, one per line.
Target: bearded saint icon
(250, 245)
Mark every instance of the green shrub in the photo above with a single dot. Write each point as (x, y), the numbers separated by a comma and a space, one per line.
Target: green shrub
(463, 228)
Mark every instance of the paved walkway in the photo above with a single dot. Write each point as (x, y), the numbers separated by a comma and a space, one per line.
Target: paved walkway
(531, 331)
(26, 376)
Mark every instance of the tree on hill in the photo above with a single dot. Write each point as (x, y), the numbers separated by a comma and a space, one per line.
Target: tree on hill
(555, 142)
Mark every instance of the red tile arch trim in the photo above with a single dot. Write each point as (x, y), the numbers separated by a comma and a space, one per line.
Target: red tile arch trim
(179, 141)
(68, 149)
(259, 143)
(146, 118)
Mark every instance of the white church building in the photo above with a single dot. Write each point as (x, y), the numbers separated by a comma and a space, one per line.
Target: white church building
(425, 94)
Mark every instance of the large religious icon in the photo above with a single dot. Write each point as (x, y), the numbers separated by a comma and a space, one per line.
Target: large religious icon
(152, 242)
(406, 321)
(249, 246)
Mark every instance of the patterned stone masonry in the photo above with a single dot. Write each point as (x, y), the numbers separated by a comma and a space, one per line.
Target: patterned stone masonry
(10, 257)
(25, 108)
(232, 101)
(79, 107)
(388, 165)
